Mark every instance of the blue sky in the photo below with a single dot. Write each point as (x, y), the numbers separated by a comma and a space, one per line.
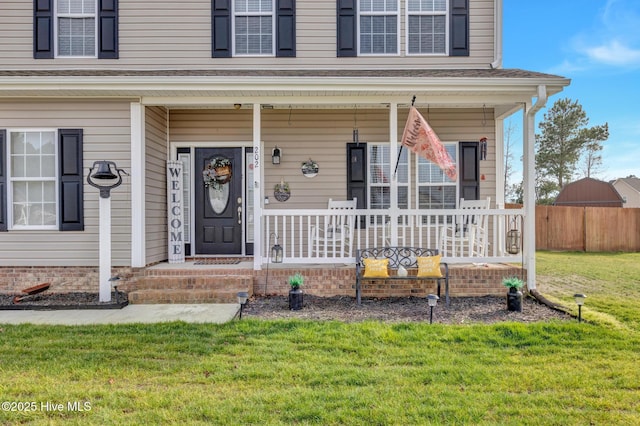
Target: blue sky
(595, 43)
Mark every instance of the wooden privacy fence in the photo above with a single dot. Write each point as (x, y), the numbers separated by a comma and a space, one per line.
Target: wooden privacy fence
(590, 229)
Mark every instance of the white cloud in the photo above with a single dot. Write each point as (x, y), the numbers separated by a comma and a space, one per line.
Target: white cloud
(614, 53)
(614, 40)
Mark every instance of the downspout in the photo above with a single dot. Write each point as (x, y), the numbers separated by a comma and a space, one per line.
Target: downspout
(529, 240)
(497, 35)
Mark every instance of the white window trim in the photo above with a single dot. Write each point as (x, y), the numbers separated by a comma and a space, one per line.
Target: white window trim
(418, 184)
(385, 13)
(437, 13)
(74, 15)
(274, 31)
(11, 179)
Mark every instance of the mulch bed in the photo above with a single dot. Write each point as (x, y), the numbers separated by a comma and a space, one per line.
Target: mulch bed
(463, 310)
(54, 301)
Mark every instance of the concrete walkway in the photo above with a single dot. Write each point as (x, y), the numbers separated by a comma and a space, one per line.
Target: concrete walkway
(217, 313)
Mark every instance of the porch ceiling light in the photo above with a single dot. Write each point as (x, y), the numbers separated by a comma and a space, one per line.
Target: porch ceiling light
(275, 155)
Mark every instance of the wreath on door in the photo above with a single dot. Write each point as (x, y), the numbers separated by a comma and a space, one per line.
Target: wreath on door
(217, 173)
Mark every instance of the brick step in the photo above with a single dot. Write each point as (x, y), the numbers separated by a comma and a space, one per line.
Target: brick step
(210, 283)
(169, 296)
(197, 272)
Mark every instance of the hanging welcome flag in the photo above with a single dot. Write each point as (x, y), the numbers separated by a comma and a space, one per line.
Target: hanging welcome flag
(421, 139)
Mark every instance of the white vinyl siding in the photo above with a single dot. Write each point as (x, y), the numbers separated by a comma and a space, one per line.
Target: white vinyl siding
(156, 184)
(76, 28)
(253, 25)
(378, 24)
(33, 179)
(427, 27)
(435, 190)
(166, 34)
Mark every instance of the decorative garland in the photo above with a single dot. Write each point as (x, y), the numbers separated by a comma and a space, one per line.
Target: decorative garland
(217, 173)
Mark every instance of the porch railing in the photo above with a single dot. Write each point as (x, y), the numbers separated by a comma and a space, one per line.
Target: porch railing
(327, 236)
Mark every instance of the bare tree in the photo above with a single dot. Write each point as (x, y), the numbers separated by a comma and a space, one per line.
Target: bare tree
(508, 156)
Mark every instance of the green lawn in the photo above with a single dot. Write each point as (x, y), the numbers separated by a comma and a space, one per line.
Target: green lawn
(297, 372)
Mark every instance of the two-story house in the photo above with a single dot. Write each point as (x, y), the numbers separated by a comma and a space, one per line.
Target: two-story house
(261, 87)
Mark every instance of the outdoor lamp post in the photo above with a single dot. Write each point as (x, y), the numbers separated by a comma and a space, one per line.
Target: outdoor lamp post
(579, 297)
(105, 179)
(243, 296)
(432, 299)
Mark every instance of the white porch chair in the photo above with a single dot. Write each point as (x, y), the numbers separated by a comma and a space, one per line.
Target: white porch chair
(469, 230)
(335, 236)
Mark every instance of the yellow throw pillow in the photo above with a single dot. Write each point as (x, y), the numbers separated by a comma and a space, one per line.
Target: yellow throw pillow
(429, 267)
(376, 268)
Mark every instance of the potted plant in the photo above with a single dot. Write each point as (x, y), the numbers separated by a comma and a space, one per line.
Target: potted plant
(514, 295)
(295, 294)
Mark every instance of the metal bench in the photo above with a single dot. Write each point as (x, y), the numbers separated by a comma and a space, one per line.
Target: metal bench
(405, 256)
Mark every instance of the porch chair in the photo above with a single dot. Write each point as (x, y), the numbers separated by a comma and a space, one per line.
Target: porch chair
(334, 237)
(468, 232)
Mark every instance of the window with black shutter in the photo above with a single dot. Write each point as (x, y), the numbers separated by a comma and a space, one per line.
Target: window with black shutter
(75, 27)
(247, 28)
(40, 163)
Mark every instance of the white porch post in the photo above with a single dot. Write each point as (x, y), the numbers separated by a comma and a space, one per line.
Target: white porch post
(138, 235)
(257, 189)
(393, 154)
(529, 175)
(105, 249)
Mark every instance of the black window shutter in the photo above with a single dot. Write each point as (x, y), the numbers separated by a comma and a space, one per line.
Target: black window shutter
(108, 29)
(459, 45)
(286, 28)
(221, 28)
(357, 176)
(3, 181)
(346, 36)
(70, 179)
(42, 29)
(469, 175)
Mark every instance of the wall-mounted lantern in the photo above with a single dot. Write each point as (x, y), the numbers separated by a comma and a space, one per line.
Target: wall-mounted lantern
(275, 155)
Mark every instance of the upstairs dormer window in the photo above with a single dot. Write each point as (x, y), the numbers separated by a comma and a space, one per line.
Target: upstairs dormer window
(379, 21)
(76, 27)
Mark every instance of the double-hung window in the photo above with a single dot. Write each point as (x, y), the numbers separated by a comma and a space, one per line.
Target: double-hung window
(76, 28)
(427, 27)
(33, 179)
(254, 21)
(379, 21)
(381, 166)
(435, 189)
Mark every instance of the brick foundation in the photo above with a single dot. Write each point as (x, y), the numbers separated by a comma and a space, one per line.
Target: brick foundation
(332, 280)
(320, 280)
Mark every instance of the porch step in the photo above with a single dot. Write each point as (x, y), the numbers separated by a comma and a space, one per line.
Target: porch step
(189, 288)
